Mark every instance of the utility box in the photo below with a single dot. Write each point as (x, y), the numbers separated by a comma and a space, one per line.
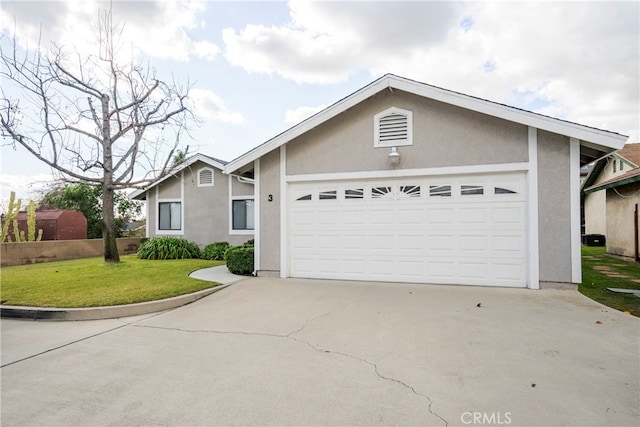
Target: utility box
(55, 224)
(593, 240)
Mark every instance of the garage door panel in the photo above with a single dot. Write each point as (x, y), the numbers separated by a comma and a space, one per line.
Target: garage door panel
(423, 230)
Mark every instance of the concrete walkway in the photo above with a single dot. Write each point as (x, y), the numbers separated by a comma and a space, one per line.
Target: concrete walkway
(312, 352)
(219, 274)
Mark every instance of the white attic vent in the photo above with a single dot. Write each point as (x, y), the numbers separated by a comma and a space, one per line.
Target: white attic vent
(393, 127)
(205, 177)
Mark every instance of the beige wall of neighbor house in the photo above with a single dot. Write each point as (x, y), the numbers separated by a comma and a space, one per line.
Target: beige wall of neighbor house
(595, 210)
(443, 135)
(554, 207)
(595, 218)
(620, 218)
(205, 209)
(270, 214)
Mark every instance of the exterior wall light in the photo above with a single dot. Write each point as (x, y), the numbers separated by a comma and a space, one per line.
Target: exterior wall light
(394, 156)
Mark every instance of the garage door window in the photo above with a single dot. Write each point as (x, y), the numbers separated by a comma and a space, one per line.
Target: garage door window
(440, 191)
(328, 195)
(502, 190)
(409, 191)
(471, 190)
(380, 192)
(305, 197)
(357, 193)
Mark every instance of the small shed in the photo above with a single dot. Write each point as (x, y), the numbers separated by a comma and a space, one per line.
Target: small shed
(55, 224)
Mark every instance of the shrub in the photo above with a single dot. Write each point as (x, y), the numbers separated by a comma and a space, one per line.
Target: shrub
(240, 259)
(168, 248)
(215, 251)
(248, 244)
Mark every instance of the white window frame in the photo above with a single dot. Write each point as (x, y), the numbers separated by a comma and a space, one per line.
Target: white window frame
(241, 232)
(210, 184)
(398, 143)
(169, 232)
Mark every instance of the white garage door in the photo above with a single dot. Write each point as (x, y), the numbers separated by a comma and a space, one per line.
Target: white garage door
(456, 229)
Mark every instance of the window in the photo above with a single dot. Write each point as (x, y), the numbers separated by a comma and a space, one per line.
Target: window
(614, 165)
(205, 177)
(440, 191)
(328, 195)
(469, 190)
(305, 197)
(393, 127)
(502, 190)
(243, 216)
(170, 216)
(410, 190)
(380, 192)
(621, 165)
(357, 193)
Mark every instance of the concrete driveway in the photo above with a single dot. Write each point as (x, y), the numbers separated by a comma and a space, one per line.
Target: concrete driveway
(309, 352)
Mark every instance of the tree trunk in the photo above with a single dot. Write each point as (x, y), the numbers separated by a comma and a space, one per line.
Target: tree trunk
(111, 255)
(108, 227)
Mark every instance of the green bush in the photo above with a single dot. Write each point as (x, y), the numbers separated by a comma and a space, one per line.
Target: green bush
(215, 251)
(168, 248)
(240, 259)
(248, 243)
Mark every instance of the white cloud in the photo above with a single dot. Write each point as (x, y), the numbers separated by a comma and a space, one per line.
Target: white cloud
(158, 29)
(299, 114)
(26, 187)
(210, 106)
(578, 61)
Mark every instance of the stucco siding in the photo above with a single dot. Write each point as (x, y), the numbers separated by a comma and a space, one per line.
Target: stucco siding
(443, 135)
(270, 213)
(554, 207)
(595, 220)
(170, 188)
(206, 209)
(620, 219)
(240, 188)
(151, 213)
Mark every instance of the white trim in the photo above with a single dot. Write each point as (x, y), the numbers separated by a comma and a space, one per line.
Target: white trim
(171, 200)
(574, 179)
(532, 212)
(284, 241)
(604, 140)
(213, 173)
(147, 233)
(229, 204)
(256, 215)
(234, 232)
(397, 173)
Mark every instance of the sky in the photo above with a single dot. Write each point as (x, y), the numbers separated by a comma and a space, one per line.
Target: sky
(258, 68)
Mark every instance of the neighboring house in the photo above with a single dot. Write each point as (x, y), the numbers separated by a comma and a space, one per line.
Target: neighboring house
(605, 169)
(406, 182)
(200, 203)
(611, 196)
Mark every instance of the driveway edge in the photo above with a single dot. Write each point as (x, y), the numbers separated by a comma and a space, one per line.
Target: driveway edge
(107, 312)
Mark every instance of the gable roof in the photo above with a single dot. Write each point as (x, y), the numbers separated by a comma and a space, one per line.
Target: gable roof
(630, 153)
(597, 141)
(211, 161)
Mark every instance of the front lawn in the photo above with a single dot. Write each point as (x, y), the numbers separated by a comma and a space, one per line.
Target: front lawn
(597, 271)
(92, 283)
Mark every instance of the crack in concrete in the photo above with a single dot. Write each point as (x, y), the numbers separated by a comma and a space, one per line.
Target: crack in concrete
(313, 347)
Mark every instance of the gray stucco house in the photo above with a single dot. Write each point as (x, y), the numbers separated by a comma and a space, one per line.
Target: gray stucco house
(200, 203)
(406, 182)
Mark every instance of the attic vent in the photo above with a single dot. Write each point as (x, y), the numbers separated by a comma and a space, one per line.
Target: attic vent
(205, 177)
(393, 127)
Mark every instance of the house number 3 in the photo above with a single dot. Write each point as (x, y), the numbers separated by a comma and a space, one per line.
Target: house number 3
(270, 197)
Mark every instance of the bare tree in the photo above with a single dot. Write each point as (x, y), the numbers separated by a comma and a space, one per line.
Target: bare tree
(94, 118)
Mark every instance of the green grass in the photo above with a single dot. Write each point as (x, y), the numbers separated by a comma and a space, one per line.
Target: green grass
(595, 283)
(92, 283)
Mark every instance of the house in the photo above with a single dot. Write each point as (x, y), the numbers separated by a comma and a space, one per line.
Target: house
(611, 194)
(56, 224)
(196, 201)
(406, 182)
